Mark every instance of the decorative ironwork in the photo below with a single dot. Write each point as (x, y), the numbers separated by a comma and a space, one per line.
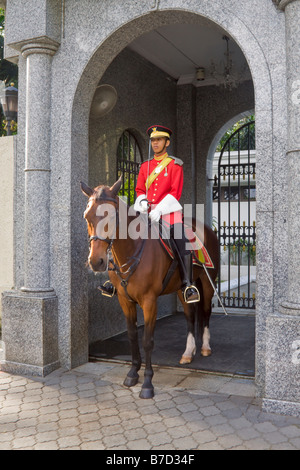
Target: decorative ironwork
(129, 159)
(237, 237)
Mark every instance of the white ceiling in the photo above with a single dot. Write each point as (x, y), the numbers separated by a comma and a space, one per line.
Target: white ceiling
(180, 49)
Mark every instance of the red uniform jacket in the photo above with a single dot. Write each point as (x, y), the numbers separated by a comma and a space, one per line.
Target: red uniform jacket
(169, 181)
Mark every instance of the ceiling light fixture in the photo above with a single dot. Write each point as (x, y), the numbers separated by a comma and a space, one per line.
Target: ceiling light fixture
(200, 74)
(225, 74)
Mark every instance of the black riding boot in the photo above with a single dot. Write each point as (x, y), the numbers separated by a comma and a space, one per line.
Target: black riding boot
(107, 289)
(190, 292)
(185, 260)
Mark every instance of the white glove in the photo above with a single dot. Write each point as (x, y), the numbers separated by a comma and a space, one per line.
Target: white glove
(168, 204)
(141, 204)
(155, 215)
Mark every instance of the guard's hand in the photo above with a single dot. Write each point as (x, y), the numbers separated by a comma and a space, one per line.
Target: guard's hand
(141, 206)
(144, 205)
(155, 215)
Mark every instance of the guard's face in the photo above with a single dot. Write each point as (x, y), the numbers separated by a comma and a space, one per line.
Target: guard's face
(159, 145)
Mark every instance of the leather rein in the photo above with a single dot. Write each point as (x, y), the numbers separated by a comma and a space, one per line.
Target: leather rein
(134, 259)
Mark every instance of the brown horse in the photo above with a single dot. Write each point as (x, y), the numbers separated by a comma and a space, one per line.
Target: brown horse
(137, 269)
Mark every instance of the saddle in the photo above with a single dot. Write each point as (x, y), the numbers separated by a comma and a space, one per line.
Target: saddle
(199, 252)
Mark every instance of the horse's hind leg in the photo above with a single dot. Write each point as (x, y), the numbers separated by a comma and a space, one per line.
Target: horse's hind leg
(190, 350)
(132, 331)
(204, 313)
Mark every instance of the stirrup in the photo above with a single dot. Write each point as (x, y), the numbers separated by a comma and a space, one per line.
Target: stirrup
(195, 295)
(108, 291)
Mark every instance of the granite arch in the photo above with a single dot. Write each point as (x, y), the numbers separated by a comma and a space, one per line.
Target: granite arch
(96, 63)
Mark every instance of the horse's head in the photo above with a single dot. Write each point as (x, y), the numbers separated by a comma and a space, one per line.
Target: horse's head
(101, 218)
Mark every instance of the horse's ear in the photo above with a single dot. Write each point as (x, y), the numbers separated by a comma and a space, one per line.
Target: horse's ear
(86, 189)
(116, 186)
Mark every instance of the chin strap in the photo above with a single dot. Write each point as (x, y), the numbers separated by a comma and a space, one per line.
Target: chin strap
(148, 169)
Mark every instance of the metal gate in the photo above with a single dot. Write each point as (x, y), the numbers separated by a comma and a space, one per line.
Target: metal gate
(129, 159)
(234, 193)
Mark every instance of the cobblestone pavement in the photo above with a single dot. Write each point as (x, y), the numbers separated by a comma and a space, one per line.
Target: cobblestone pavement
(88, 408)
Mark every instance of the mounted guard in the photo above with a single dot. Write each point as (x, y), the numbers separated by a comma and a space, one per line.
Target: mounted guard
(159, 187)
(142, 269)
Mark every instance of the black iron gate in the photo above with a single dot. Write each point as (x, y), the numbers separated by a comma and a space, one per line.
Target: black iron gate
(234, 193)
(129, 159)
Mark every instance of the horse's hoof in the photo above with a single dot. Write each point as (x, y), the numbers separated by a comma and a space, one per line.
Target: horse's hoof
(205, 352)
(186, 360)
(147, 393)
(130, 381)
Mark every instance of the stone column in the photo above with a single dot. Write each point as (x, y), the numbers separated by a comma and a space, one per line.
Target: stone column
(292, 15)
(30, 326)
(37, 160)
(282, 391)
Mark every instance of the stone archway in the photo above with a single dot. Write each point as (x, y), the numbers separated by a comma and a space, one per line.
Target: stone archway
(96, 66)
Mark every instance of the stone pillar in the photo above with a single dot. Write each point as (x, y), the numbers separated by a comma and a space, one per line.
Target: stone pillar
(30, 325)
(37, 160)
(292, 14)
(283, 338)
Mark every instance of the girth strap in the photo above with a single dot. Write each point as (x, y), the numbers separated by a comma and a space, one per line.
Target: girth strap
(169, 274)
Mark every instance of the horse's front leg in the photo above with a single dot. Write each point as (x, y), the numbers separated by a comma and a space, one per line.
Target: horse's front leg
(150, 313)
(129, 310)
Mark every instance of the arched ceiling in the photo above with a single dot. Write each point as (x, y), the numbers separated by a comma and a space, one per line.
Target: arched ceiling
(180, 49)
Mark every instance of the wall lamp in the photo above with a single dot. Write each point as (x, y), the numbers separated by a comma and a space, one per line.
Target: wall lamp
(9, 103)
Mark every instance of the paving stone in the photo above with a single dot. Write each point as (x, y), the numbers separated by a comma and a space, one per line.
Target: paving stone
(114, 441)
(67, 410)
(138, 444)
(257, 444)
(203, 437)
(291, 431)
(275, 437)
(23, 442)
(160, 438)
(53, 445)
(230, 441)
(92, 446)
(68, 442)
(185, 443)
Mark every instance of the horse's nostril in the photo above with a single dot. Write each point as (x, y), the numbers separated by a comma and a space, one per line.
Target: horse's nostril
(97, 265)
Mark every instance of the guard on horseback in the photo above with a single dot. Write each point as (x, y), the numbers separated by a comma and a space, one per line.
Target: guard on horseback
(159, 187)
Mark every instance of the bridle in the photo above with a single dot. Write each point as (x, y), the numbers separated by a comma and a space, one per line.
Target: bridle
(106, 239)
(134, 260)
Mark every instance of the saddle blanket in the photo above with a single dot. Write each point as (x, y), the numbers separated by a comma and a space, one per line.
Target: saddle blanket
(200, 254)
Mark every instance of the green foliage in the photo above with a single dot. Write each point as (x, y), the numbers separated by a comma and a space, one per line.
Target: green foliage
(243, 136)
